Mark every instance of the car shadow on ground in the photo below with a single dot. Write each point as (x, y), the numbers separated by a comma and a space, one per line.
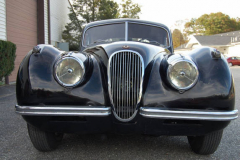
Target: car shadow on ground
(126, 144)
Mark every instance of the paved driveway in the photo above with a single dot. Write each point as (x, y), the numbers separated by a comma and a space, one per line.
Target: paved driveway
(15, 143)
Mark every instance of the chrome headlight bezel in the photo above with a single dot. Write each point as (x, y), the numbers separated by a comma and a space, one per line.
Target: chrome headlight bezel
(60, 61)
(174, 62)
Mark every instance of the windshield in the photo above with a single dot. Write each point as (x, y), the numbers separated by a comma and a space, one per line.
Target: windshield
(105, 33)
(136, 32)
(147, 34)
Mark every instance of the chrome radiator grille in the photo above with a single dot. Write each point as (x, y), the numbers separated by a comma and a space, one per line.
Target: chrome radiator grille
(125, 72)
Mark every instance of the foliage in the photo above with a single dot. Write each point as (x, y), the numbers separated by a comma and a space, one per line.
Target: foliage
(107, 10)
(178, 38)
(7, 58)
(72, 32)
(209, 24)
(238, 22)
(86, 11)
(191, 27)
(130, 9)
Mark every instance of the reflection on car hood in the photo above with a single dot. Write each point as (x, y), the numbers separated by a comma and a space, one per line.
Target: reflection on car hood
(147, 51)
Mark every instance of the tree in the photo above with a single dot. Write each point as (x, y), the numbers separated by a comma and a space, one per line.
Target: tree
(191, 27)
(178, 38)
(72, 32)
(130, 9)
(209, 24)
(86, 11)
(238, 23)
(7, 58)
(92, 10)
(108, 10)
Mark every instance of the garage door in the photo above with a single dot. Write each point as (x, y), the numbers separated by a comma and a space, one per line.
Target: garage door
(21, 28)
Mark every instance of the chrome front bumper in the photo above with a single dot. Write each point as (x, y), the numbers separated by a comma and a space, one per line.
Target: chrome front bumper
(63, 110)
(153, 112)
(148, 112)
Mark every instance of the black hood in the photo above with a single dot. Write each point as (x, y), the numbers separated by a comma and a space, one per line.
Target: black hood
(147, 51)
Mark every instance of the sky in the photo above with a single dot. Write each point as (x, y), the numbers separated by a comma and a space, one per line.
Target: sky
(169, 11)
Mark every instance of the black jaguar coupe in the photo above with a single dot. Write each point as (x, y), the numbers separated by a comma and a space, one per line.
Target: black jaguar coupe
(126, 79)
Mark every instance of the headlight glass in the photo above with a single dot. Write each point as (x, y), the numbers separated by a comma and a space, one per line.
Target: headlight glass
(69, 71)
(182, 74)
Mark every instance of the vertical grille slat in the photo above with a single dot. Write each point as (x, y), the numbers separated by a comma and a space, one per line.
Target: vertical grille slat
(135, 82)
(129, 84)
(138, 78)
(119, 85)
(125, 72)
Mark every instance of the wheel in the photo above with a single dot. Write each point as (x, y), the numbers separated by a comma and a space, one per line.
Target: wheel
(206, 144)
(44, 141)
(230, 64)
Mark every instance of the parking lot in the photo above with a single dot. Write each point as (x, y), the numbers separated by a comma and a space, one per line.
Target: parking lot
(15, 143)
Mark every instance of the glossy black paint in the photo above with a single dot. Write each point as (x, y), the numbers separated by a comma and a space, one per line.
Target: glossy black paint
(214, 90)
(142, 125)
(42, 88)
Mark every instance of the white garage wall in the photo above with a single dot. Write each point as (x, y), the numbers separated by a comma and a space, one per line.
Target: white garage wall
(59, 10)
(3, 20)
(46, 21)
(234, 50)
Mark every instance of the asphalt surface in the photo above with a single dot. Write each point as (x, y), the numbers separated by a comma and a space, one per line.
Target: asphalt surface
(15, 143)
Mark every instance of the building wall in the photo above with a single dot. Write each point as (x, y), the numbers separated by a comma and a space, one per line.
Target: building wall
(3, 35)
(194, 46)
(234, 50)
(21, 28)
(46, 21)
(59, 18)
(192, 41)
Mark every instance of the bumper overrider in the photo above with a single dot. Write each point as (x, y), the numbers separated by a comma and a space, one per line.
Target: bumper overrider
(147, 112)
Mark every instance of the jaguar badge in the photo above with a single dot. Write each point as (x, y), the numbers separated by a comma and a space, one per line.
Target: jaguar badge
(125, 47)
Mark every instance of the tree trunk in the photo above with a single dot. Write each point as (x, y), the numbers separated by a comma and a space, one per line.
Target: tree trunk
(6, 80)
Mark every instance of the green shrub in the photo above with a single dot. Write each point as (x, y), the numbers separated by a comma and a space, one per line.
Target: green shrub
(7, 58)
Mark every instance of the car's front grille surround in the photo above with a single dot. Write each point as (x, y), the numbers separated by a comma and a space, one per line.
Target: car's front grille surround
(125, 77)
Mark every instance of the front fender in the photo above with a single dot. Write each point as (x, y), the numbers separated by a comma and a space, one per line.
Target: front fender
(213, 91)
(36, 84)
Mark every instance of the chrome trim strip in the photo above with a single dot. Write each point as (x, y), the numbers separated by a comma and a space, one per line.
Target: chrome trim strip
(126, 31)
(126, 34)
(153, 112)
(63, 110)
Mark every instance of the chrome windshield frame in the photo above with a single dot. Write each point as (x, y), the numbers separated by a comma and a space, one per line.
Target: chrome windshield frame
(126, 30)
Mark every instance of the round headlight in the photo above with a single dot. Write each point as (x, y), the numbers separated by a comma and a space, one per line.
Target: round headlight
(69, 71)
(182, 74)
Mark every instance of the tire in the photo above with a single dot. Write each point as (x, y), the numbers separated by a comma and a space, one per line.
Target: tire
(206, 144)
(230, 64)
(44, 141)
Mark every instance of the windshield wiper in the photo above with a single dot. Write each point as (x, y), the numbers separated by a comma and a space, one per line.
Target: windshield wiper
(101, 40)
